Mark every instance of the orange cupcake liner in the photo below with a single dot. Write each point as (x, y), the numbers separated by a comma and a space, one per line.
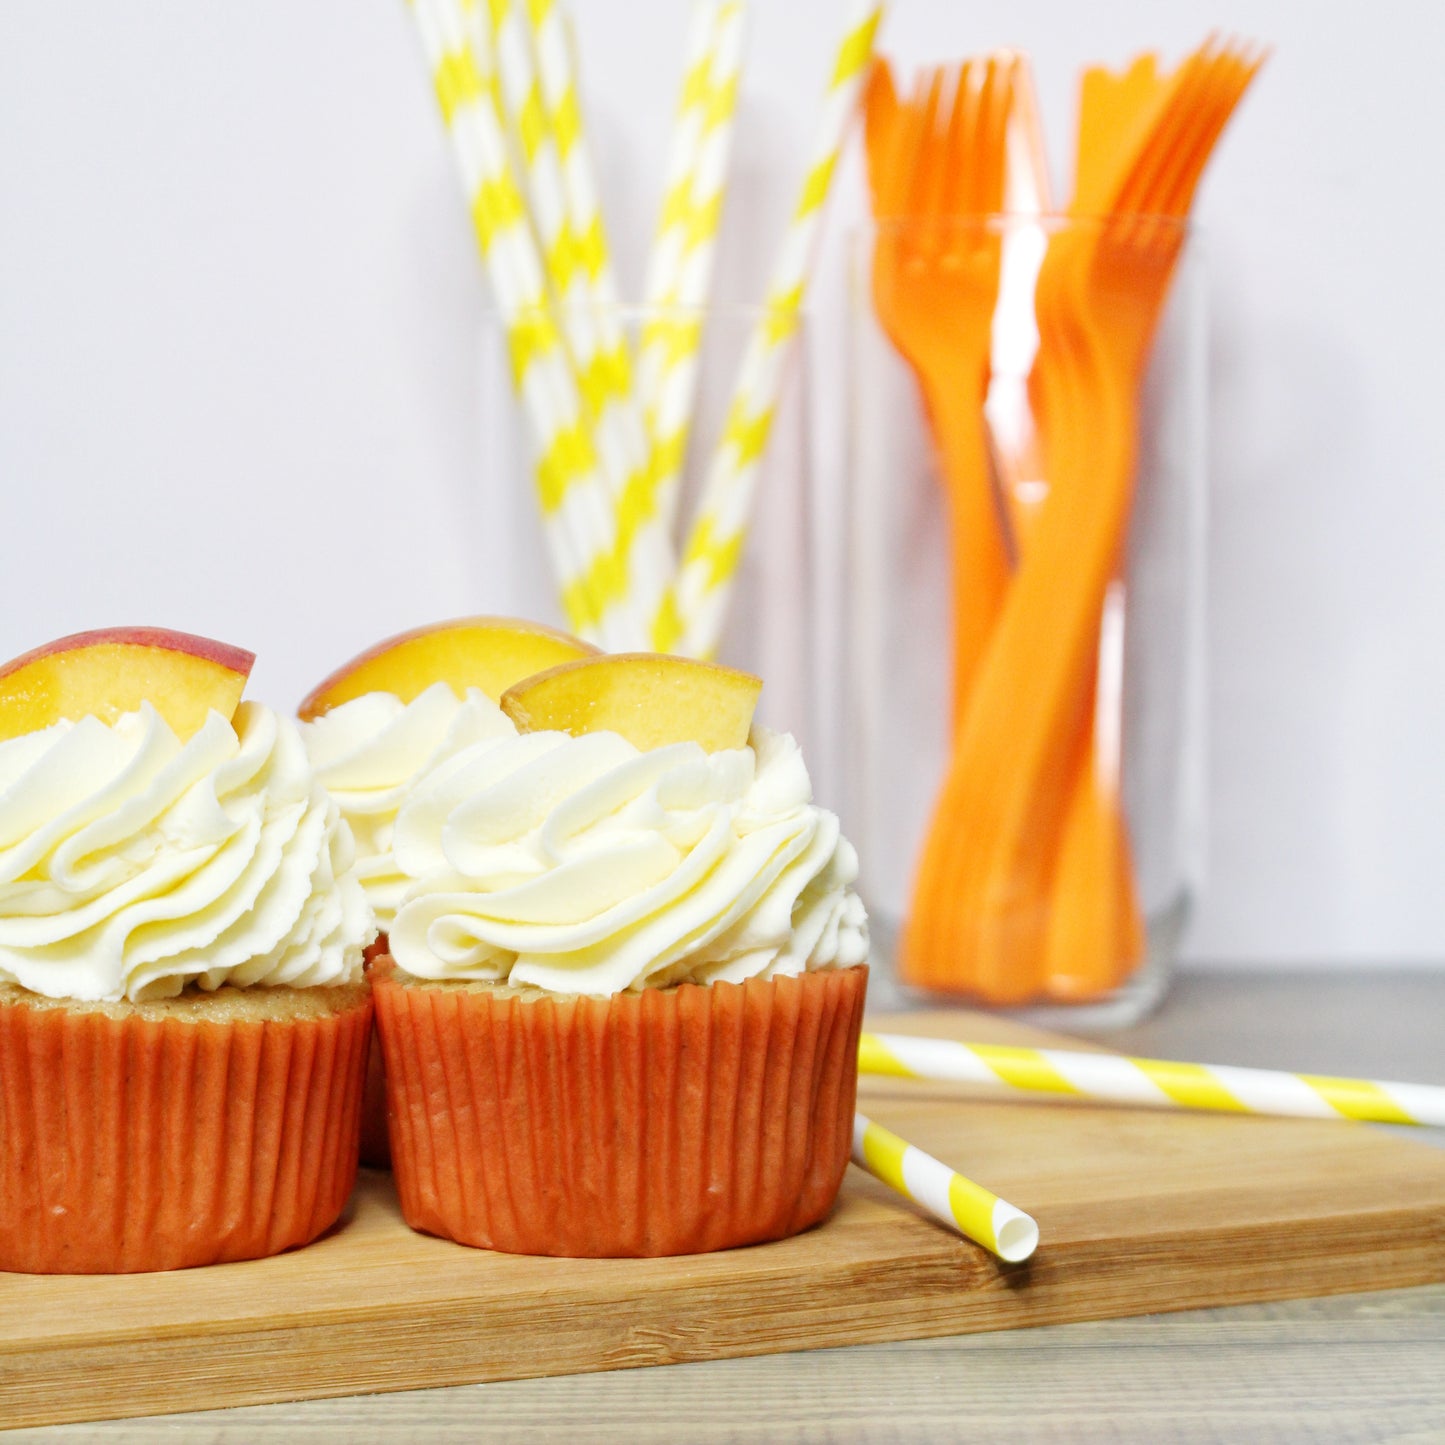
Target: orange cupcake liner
(375, 1146)
(132, 1143)
(663, 1122)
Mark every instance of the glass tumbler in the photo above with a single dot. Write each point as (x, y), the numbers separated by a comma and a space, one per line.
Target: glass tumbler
(1020, 714)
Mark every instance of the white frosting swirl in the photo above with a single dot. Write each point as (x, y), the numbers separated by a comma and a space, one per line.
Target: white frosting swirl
(132, 864)
(581, 865)
(367, 753)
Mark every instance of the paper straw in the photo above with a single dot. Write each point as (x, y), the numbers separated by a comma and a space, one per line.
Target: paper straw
(562, 108)
(958, 1202)
(645, 548)
(542, 168)
(622, 464)
(668, 243)
(1157, 1082)
(680, 272)
(577, 515)
(693, 612)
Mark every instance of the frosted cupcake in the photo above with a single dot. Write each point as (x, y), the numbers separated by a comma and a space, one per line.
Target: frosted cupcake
(183, 1018)
(622, 1009)
(392, 713)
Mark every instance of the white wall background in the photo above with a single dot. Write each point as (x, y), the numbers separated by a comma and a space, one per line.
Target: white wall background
(238, 359)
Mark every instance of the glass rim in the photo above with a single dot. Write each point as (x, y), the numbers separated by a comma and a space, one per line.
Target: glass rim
(640, 311)
(1047, 220)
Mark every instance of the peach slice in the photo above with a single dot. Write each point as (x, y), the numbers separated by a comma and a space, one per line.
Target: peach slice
(650, 698)
(113, 670)
(490, 653)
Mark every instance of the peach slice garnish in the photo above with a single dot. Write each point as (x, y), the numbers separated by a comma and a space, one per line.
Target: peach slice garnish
(113, 670)
(650, 698)
(490, 653)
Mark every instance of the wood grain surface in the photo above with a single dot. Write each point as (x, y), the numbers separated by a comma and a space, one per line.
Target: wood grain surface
(1346, 1370)
(1139, 1212)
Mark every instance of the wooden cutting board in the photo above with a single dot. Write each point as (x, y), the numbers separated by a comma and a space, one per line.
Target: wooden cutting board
(1139, 1212)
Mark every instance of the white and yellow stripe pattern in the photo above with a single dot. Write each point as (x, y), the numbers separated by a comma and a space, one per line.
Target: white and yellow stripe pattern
(693, 612)
(595, 367)
(1158, 1082)
(579, 518)
(958, 1202)
(562, 108)
(679, 276)
(694, 102)
(579, 262)
(607, 487)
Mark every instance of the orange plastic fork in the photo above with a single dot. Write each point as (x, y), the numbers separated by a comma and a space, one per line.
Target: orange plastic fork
(1117, 114)
(983, 917)
(1095, 924)
(1094, 927)
(936, 166)
(882, 113)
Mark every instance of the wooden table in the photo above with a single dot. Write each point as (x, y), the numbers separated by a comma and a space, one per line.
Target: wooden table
(1362, 1367)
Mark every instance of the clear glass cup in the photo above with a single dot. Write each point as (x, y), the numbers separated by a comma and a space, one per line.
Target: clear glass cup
(1137, 747)
(769, 621)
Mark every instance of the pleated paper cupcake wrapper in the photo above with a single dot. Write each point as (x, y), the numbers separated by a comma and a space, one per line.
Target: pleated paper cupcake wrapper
(137, 1143)
(664, 1122)
(375, 1146)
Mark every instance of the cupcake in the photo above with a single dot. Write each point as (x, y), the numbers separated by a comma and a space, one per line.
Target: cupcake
(183, 1017)
(388, 715)
(621, 1009)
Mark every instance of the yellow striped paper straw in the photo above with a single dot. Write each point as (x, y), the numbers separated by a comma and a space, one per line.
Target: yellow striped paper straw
(692, 615)
(644, 544)
(577, 513)
(562, 111)
(1159, 1082)
(680, 270)
(525, 113)
(623, 459)
(958, 1202)
(668, 242)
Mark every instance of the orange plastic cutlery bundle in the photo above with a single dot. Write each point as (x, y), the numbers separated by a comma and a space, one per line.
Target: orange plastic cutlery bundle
(1025, 886)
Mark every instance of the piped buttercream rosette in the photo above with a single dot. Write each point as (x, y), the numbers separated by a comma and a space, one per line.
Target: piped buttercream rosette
(132, 864)
(582, 865)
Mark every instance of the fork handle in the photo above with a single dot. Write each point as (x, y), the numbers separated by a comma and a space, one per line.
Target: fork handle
(986, 860)
(979, 563)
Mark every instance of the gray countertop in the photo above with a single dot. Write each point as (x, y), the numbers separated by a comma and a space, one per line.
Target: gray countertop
(1353, 1368)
